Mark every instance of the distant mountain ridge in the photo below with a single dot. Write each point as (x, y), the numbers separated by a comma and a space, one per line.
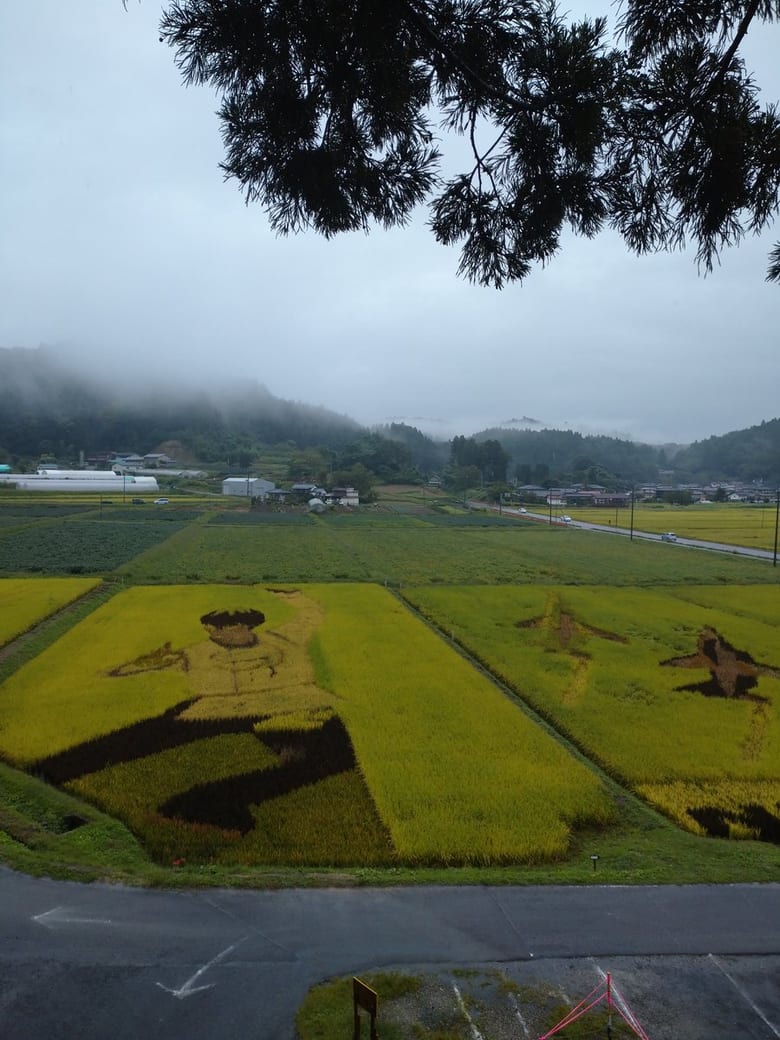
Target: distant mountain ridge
(48, 407)
(747, 456)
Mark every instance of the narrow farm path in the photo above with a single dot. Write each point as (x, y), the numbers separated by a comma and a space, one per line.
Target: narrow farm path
(42, 634)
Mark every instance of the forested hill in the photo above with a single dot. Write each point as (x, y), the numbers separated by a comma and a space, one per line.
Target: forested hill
(752, 454)
(48, 408)
(566, 456)
(536, 456)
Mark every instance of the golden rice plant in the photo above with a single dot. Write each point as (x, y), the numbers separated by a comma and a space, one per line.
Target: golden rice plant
(274, 677)
(25, 601)
(612, 676)
(678, 797)
(299, 721)
(108, 672)
(732, 523)
(459, 774)
(132, 790)
(331, 823)
(287, 829)
(756, 602)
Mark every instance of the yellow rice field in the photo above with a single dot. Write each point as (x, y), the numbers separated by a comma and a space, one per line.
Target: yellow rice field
(752, 526)
(455, 772)
(26, 601)
(625, 673)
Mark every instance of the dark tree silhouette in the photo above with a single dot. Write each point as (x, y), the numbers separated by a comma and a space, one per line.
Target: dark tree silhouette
(330, 111)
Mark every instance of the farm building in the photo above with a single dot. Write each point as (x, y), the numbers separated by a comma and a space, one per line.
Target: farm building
(247, 487)
(344, 496)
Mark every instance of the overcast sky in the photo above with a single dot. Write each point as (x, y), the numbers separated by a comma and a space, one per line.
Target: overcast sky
(119, 235)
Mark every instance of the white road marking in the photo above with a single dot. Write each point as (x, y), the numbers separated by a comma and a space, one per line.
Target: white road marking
(474, 1031)
(61, 915)
(520, 1019)
(745, 995)
(189, 987)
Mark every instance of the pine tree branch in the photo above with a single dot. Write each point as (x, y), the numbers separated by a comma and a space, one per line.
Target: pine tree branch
(744, 25)
(501, 92)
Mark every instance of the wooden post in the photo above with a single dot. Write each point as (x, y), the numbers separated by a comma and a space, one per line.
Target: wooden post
(366, 998)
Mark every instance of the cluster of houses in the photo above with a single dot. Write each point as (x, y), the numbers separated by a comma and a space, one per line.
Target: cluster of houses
(156, 462)
(579, 495)
(317, 498)
(130, 460)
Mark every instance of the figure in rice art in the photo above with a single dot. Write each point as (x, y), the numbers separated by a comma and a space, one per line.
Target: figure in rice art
(241, 682)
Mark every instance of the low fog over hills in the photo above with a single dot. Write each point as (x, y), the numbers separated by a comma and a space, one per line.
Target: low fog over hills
(53, 404)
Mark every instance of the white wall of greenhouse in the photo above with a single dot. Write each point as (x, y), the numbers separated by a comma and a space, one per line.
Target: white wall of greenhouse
(106, 483)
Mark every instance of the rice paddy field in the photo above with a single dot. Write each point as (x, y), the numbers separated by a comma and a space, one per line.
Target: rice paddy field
(405, 693)
(211, 741)
(27, 601)
(675, 695)
(729, 523)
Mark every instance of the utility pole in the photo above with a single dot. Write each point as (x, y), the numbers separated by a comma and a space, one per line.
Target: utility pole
(631, 536)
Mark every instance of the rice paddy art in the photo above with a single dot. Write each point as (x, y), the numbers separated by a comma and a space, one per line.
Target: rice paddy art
(596, 662)
(242, 727)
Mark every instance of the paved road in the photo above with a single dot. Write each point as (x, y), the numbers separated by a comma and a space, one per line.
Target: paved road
(96, 961)
(694, 543)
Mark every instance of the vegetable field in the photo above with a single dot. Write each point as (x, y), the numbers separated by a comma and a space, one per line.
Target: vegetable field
(76, 546)
(409, 551)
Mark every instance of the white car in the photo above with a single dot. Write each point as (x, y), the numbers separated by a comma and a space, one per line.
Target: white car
(669, 536)
(161, 501)
(566, 518)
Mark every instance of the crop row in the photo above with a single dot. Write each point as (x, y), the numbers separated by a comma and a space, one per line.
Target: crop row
(171, 547)
(457, 772)
(413, 552)
(76, 546)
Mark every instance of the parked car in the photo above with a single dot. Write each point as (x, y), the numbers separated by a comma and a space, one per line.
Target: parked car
(669, 536)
